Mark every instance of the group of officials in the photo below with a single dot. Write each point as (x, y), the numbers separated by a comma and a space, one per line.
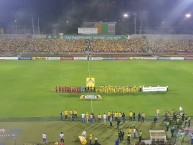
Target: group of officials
(110, 116)
(60, 142)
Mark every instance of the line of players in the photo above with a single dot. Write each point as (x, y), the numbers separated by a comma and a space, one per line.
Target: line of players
(61, 89)
(78, 89)
(101, 89)
(118, 89)
(90, 117)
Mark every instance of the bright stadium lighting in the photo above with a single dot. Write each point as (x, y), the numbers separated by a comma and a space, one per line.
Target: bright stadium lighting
(188, 15)
(125, 15)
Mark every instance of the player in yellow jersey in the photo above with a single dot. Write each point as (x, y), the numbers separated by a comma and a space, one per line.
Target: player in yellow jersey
(99, 117)
(71, 114)
(130, 115)
(158, 112)
(120, 115)
(66, 114)
(75, 113)
(109, 115)
(116, 116)
(90, 138)
(130, 130)
(87, 117)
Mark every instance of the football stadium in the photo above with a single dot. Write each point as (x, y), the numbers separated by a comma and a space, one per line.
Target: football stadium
(96, 82)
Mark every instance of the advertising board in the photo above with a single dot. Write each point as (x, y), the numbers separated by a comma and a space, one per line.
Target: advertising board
(155, 89)
(66, 58)
(87, 31)
(8, 58)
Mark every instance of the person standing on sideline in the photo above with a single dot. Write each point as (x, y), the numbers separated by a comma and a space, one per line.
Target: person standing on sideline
(133, 116)
(116, 116)
(123, 117)
(118, 123)
(117, 142)
(142, 117)
(61, 137)
(71, 115)
(119, 135)
(139, 117)
(75, 113)
(155, 119)
(91, 118)
(119, 115)
(56, 89)
(90, 138)
(83, 117)
(134, 132)
(99, 117)
(62, 115)
(96, 141)
(66, 114)
(130, 115)
(44, 138)
(167, 125)
(104, 118)
(109, 115)
(84, 133)
(128, 138)
(172, 131)
(130, 130)
(122, 135)
(182, 136)
(87, 117)
(158, 112)
(111, 121)
(180, 109)
(140, 136)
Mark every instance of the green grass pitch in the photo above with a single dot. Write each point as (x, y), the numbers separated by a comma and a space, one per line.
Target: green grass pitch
(28, 87)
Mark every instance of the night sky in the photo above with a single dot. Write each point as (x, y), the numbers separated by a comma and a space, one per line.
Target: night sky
(54, 14)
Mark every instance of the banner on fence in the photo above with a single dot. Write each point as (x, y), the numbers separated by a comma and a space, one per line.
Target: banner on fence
(155, 89)
(53, 58)
(24, 58)
(80, 58)
(39, 58)
(8, 58)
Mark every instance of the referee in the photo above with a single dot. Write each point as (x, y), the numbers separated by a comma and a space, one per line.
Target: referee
(62, 137)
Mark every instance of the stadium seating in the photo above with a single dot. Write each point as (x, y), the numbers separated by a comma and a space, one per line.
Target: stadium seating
(60, 46)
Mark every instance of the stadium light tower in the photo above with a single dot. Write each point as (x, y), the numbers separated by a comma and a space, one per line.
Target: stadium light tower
(126, 15)
(15, 21)
(188, 16)
(67, 23)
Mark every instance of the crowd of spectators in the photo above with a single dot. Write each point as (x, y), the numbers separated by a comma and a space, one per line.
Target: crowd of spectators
(170, 45)
(60, 46)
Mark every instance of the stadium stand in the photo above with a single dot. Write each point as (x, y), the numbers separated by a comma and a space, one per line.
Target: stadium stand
(147, 44)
